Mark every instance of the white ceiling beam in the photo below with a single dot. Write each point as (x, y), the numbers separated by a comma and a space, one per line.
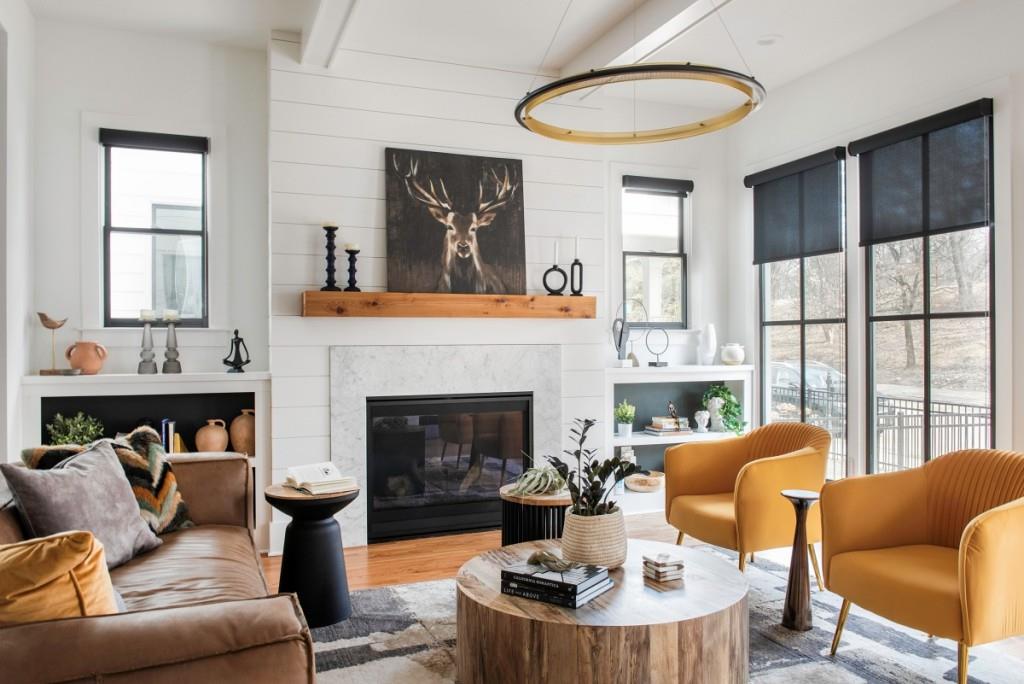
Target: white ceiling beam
(324, 31)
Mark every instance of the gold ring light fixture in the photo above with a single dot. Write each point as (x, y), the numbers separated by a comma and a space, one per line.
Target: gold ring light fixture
(747, 85)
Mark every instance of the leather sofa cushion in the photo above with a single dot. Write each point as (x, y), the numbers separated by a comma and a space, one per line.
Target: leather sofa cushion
(195, 565)
(915, 585)
(708, 517)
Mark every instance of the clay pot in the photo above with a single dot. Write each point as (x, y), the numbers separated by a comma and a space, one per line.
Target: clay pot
(243, 432)
(86, 356)
(213, 436)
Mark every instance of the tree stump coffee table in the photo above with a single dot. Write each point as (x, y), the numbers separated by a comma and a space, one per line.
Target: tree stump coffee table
(694, 630)
(526, 517)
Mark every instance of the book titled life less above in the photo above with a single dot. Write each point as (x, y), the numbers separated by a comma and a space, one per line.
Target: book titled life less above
(567, 583)
(513, 588)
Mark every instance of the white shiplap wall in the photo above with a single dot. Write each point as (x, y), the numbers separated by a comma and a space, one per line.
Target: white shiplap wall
(328, 131)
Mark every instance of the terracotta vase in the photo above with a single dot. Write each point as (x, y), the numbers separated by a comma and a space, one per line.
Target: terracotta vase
(243, 432)
(213, 436)
(595, 539)
(86, 356)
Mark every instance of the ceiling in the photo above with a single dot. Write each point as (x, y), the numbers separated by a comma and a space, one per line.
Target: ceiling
(805, 34)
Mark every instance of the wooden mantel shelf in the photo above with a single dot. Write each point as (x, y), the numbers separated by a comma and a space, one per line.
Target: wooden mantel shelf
(430, 305)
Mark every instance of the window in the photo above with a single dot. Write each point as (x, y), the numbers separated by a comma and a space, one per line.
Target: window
(926, 208)
(154, 231)
(653, 254)
(799, 224)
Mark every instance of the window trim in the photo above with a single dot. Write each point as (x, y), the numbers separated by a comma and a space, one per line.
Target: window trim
(681, 189)
(164, 142)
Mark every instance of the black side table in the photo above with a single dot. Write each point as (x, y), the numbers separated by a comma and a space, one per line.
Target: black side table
(527, 517)
(313, 564)
(796, 612)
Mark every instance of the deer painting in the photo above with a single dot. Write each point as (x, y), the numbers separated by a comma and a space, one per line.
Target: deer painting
(466, 215)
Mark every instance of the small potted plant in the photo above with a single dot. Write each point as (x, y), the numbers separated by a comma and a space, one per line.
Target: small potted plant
(625, 413)
(725, 411)
(78, 429)
(595, 531)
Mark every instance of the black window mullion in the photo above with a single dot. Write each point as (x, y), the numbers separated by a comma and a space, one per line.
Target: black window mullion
(926, 291)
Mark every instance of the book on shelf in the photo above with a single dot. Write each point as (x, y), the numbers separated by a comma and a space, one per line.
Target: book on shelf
(319, 478)
(665, 422)
(514, 588)
(651, 430)
(569, 583)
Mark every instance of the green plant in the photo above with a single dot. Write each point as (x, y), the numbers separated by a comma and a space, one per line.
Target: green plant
(732, 413)
(592, 480)
(542, 480)
(625, 412)
(78, 429)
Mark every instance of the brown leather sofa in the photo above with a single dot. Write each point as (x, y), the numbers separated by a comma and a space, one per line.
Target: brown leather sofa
(198, 607)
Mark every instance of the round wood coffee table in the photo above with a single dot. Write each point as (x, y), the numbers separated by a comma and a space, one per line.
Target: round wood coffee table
(694, 630)
(526, 517)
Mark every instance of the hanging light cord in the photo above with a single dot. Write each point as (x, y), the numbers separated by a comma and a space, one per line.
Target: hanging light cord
(732, 40)
(551, 43)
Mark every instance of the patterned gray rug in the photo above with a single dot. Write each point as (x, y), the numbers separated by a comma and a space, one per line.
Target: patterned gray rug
(406, 633)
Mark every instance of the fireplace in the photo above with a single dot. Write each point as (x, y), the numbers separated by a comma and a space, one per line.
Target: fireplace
(434, 464)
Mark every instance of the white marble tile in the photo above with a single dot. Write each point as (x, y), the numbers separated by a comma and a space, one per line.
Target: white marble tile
(358, 372)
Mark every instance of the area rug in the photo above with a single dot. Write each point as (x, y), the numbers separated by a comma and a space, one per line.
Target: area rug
(406, 633)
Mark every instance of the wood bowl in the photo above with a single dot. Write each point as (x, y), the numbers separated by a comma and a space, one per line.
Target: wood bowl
(645, 483)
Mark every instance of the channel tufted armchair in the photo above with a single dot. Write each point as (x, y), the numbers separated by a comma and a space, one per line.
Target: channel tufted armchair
(727, 492)
(938, 548)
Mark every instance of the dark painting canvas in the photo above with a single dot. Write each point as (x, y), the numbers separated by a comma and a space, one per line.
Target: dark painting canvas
(455, 223)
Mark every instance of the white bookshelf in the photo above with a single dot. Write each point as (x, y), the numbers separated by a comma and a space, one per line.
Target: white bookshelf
(642, 439)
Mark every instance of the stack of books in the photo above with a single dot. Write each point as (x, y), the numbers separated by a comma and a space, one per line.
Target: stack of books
(569, 588)
(667, 426)
(319, 478)
(664, 567)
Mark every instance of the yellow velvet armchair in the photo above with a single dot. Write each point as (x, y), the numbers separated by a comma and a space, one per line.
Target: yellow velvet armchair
(938, 548)
(726, 492)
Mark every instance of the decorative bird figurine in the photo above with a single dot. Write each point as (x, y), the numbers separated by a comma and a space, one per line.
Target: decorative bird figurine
(53, 325)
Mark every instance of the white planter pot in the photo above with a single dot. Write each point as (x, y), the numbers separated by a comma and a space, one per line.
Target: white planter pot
(595, 539)
(625, 429)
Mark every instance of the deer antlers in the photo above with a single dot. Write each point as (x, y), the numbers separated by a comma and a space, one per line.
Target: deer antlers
(438, 204)
(503, 192)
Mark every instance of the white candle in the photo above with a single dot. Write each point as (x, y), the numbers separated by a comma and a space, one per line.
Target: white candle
(352, 246)
(577, 255)
(147, 315)
(556, 253)
(171, 315)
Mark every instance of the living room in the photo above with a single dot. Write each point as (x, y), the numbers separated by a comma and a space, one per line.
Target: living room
(318, 311)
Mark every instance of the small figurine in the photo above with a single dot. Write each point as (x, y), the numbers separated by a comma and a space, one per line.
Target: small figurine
(672, 410)
(53, 326)
(234, 357)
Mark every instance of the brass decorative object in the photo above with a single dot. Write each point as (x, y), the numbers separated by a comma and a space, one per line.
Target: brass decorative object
(551, 561)
(53, 326)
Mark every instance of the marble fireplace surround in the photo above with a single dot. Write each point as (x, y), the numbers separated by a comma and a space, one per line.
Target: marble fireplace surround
(358, 372)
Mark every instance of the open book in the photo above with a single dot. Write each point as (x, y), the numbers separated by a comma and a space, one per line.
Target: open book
(319, 478)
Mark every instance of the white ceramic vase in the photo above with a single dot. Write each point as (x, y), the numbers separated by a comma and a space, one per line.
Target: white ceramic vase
(733, 354)
(625, 429)
(708, 345)
(715, 409)
(701, 419)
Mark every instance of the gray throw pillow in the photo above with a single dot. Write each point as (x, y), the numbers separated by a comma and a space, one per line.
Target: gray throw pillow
(88, 492)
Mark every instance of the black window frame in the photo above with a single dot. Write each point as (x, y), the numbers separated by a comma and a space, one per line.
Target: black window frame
(924, 128)
(681, 189)
(166, 142)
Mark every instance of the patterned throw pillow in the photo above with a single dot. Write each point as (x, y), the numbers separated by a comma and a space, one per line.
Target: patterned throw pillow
(145, 464)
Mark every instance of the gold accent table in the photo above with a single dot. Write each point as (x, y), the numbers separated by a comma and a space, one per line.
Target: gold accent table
(695, 630)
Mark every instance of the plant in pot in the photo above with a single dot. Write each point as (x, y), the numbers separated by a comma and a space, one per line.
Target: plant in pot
(595, 531)
(77, 429)
(625, 413)
(730, 414)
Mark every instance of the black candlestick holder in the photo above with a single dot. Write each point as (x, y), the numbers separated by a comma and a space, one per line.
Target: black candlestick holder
(331, 283)
(555, 290)
(576, 277)
(352, 270)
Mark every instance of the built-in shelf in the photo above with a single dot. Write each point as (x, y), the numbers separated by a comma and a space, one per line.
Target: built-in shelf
(432, 305)
(643, 439)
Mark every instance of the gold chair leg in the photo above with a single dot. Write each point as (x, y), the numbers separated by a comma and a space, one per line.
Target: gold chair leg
(814, 564)
(743, 562)
(679, 539)
(961, 663)
(840, 623)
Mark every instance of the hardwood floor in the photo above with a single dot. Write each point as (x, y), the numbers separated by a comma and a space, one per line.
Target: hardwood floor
(433, 558)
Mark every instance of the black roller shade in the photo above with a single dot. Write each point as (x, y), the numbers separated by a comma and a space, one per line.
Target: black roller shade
(154, 141)
(667, 186)
(928, 176)
(798, 208)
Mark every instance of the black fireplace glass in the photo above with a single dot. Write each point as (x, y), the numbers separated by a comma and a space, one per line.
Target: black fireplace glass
(435, 464)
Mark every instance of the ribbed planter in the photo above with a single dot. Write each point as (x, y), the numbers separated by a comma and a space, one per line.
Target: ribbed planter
(595, 539)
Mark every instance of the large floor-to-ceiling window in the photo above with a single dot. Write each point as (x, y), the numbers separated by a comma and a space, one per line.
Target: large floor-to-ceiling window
(799, 226)
(926, 224)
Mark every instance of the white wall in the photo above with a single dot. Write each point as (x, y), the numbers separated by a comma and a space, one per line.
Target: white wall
(970, 51)
(16, 118)
(89, 76)
(327, 140)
